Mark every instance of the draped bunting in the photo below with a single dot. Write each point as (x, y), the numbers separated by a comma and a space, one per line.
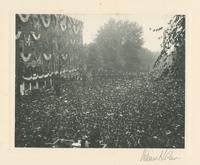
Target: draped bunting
(47, 57)
(35, 77)
(63, 23)
(46, 20)
(63, 26)
(57, 16)
(18, 35)
(76, 27)
(36, 37)
(25, 59)
(43, 52)
(63, 20)
(24, 17)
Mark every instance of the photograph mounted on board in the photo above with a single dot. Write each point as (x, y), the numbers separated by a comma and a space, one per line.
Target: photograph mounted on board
(100, 81)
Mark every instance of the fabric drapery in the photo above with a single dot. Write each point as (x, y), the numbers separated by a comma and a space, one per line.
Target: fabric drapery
(46, 56)
(24, 58)
(24, 17)
(46, 20)
(46, 45)
(63, 23)
(76, 27)
(18, 35)
(35, 36)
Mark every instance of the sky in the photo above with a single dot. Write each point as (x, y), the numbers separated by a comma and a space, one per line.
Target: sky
(93, 22)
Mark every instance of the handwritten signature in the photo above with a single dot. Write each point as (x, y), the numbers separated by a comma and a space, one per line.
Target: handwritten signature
(158, 156)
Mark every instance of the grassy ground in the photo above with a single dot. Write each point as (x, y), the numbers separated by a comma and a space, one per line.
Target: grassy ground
(137, 112)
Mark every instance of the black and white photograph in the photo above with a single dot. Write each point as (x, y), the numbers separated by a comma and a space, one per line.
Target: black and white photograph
(99, 80)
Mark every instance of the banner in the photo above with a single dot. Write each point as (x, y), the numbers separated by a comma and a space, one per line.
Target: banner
(46, 44)
(24, 17)
(46, 20)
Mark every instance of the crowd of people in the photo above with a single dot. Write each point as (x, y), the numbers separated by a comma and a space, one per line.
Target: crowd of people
(129, 112)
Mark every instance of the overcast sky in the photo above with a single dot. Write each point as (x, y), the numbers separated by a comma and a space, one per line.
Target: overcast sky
(93, 22)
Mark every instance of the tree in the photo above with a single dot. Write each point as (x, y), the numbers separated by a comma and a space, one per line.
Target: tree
(118, 47)
(147, 59)
(93, 59)
(118, 43)
(171, 60)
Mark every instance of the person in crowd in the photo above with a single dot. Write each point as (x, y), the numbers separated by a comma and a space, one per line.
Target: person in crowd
(95, 137)
(57, 84)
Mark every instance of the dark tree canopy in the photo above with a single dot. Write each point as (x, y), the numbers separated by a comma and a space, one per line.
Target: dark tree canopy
(171, 60)
(118, 46)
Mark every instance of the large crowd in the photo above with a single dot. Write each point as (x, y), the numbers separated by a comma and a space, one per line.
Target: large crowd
(131, 112)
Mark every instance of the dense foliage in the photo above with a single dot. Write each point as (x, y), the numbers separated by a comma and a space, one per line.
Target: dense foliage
(171, 61)
(118, 46)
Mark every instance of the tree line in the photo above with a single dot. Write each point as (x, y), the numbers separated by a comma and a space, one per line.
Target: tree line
(118, 46)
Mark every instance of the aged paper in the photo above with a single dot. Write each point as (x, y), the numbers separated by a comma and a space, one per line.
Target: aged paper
(11, 155)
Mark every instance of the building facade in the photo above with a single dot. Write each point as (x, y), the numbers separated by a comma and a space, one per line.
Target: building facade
(47, 45)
